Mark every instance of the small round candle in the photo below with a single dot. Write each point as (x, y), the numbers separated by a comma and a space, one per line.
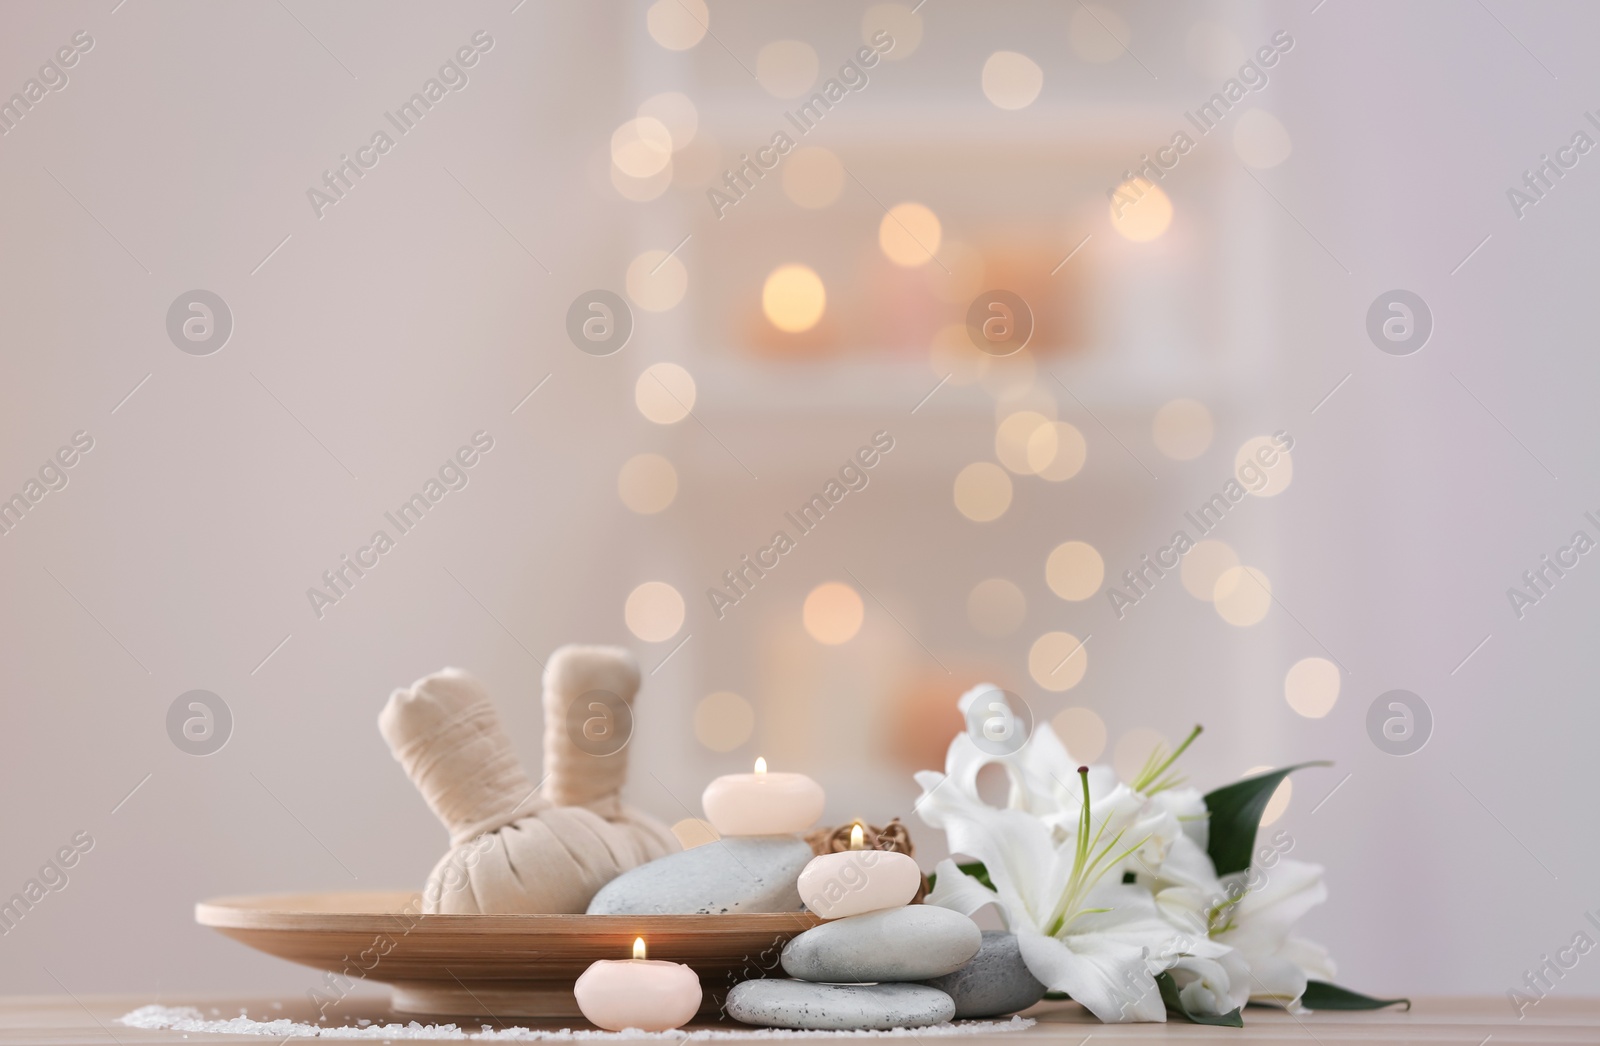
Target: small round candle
(762, 803)
(642, 993)
(859, 880)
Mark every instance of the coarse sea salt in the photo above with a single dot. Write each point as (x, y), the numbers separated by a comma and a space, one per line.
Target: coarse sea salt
(189, 1019)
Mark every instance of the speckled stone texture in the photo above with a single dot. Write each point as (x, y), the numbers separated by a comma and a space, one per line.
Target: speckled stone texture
(777, 1003)
(749, 873)
(995, 982)
(900, 944)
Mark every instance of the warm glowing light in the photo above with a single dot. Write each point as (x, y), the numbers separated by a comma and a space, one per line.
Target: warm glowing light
(654, 611)
(1262, 468)
(1312, 686)
(641, 190)
(900, 21)
(857, 838)
(1082, 731)
(982, 491)
(786, 68)
(909, 234)
(1279, 803)
(664, 393)
(833, 613)
(1140, 211)
(1056, 451)
(647, 483)
(641, 147)
(1098, 33)
(996, 607)
(723, 721)
(793, 298)
(1242, 596)
(1261, 140)
(761, 765)
(638, 948)
(1204, 564)
(677, 25)
(693, 832)
(1058, 660)
(676, 113)
(952, 355)
(1012, 80)
(656, 281)
(1074, 570)
(1012, 437)
(1182, 429)
(813, 177)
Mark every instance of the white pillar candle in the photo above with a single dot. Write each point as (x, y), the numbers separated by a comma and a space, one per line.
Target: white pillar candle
(762, 803)
(642, 993)
(858, 881)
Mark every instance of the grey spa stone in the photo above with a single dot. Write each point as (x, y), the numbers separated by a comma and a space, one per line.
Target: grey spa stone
(913, 943)
(777, 1003)
(738, 873)
(994, 983)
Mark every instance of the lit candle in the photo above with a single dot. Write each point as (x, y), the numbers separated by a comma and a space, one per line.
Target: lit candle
(858, 880)
(762, 803)
(642, 993)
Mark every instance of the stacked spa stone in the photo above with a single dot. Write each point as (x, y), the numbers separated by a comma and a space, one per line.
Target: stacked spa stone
(860, 969)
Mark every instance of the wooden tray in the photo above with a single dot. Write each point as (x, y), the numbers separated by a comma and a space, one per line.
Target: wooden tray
(477, 965)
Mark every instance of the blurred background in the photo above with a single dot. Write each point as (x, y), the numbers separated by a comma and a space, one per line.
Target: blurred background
(267, 360)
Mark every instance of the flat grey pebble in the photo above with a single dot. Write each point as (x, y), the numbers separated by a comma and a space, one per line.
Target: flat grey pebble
(994, 983)
(778, 1003)
(739, 873)
(912, 943)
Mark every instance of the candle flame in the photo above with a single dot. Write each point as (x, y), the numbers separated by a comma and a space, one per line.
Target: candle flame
(857, 837)
(761, 765)
(638, 948)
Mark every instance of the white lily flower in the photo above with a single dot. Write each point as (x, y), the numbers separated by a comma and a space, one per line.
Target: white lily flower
(1259, 926)
(1213, 986)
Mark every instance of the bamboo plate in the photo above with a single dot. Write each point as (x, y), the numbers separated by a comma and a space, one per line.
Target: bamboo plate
(476, 965)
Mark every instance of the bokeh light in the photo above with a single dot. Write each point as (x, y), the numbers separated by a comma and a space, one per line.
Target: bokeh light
(654, 611)
(813, 177)
(982, 491)
(693, 832)
(1012, 437)
(833, 613)
(1214, 50)
(1012, 80)
(677, 25)
(900, 21)
(664, 393)
(1256, 452)
(1261, 140)
(1140, 211)
(647, 483)
(1311, 686)
(641, 190)
(1082, 731)
(909, 234)
(674, 111)
(1242, 596)
(723, 721)
(1074, 570)
(1058, 660)
(1056, 451)
(657, 282)
(1182, 429)
(1204, 564)
(793, 298)
(996, 607)
(952, 354)
(641, 147)
(1279, 803)
(786, 68)
(1098, 33)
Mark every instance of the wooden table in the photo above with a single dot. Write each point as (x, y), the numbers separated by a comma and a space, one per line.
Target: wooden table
(91, 1020)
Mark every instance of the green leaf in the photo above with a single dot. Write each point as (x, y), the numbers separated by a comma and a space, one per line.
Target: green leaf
(1058, 996)
(1170, 996)
(1320, 995)
(1236, 814)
